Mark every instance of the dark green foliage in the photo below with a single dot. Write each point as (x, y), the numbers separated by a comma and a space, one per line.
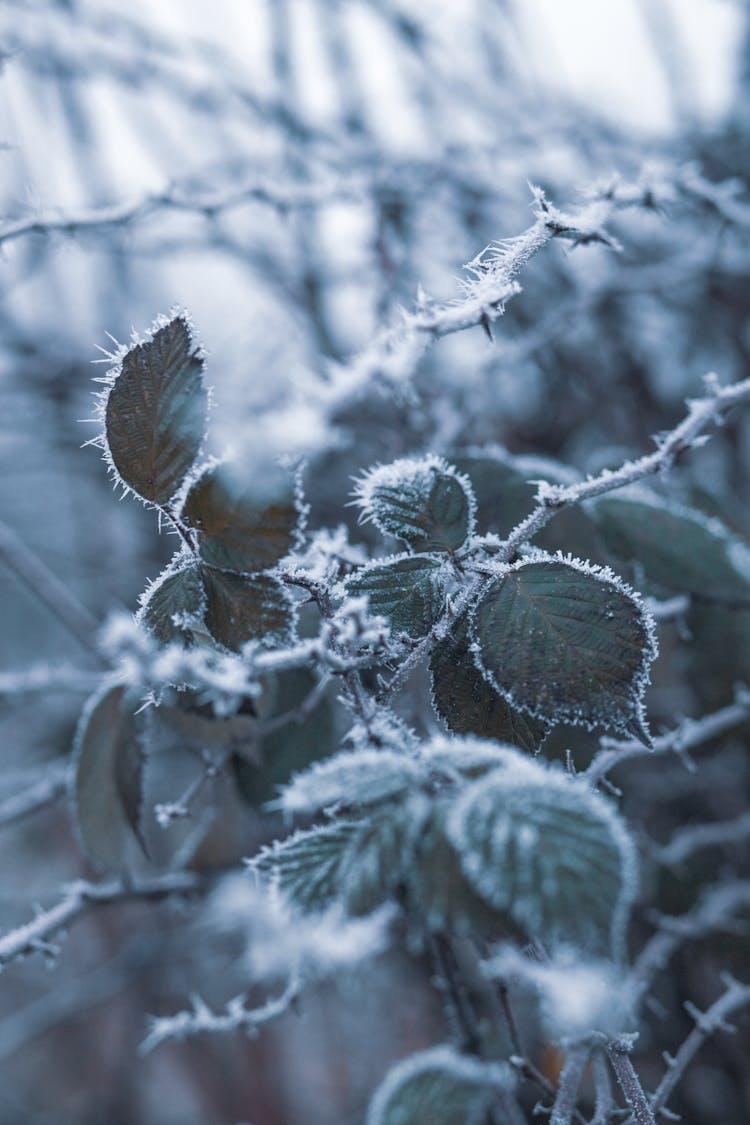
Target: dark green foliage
(407, 590)
(245, 607)
(468, 704)
(678, 548)
(437, 1087)
(178, 594)
(235, 531)
(545, 851)
(155, 413)
(565, 645)
(424, 503)
(291, 746)
(107, 787)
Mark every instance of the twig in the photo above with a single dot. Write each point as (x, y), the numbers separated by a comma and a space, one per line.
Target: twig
(202, 1021)
(552, 498)
(692, 839)
(619, 1055)
(48, 589)
(687, 736)
(49, 786)
(82, 896)
(717, 910)
(706, 1024)
(576, 1058)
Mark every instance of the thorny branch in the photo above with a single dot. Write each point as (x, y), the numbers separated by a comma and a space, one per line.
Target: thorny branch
(79, 899)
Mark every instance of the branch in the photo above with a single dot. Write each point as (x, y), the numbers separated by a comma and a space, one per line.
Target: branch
(576, 1059)
(717, 910)
(209, 204)
(619, 1055)
(46, 789)
(552, 498)
(692, 839)
(48, 589)
(202, 1021)
(80, 897)
(706, 1024)
(690, 734)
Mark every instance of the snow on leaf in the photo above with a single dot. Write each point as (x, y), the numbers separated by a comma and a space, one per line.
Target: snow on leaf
(438, 1087)
(235, 531)
(155, 412)
(677, 547)
(108, 776)
(359, 777)
(426, 503)
(566, 642)
(468, 704)
(356, 863)
(549, 852)
(407, 589)
(169, 603)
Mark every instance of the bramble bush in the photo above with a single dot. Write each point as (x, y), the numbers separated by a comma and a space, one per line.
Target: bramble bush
(411, 705)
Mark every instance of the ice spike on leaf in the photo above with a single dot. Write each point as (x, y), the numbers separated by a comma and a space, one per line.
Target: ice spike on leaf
(155, 412)
(426, 503)
(566, 642)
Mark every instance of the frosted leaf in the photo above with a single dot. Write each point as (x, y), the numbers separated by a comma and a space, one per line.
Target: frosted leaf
(244, 607)
(426, 503)
(438, 1087)
(406, 589)
(174, 600)
(566, 642)
(468, 704)
(463, 757)
(108, 776)
(676, 546)
(438, 893)
(506, 488)
(237, 530)
(155, 412)
(356, 863)
(360, 777)
(544, 848)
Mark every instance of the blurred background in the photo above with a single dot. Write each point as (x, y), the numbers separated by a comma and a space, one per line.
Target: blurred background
(292, 171)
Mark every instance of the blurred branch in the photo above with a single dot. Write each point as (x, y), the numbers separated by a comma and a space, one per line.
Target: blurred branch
(44, 678)
(735, 997)
(48, 589)
(202, 1021)
(79, 899)
(552, 498)
(717, 910)
(698, 836)
(52, 784)
(687, 736)
(176, 198)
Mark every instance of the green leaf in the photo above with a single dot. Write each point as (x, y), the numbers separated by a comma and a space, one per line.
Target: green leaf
(549, 852)
(677, 547)
(565, 642)
(245, 607)
(437, 1087)
(505, 488)
(155, 413)
(468, 704)
(425, 503)
(439, 895)
(171, 602)
(237, 531)
(291, 746)
(108, 776)
(357, 777)
(356, 863)
(408, 590)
